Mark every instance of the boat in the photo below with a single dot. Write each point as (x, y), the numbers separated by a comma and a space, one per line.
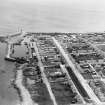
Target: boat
(17, 59)
(10, 59)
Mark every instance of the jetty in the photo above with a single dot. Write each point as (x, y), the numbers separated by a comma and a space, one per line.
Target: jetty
(9, 51)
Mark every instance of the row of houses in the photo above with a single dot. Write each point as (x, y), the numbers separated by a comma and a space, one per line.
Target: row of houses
(86, 59)
(54, 64)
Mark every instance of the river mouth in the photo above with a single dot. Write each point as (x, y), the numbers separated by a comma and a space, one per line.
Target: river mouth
(8, 95)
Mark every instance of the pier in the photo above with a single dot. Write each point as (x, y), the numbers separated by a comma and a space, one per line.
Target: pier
(12, 40)
(9, 52)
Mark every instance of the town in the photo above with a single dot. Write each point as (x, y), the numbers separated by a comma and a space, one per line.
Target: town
(59, 68)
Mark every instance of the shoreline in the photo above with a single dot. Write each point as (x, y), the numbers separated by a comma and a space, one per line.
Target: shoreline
(25, 98)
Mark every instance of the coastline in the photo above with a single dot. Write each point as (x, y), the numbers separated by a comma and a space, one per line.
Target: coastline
(25, 98)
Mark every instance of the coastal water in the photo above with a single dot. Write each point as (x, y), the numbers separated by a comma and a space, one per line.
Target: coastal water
(67, 16)
(72, 16)
(8, 95)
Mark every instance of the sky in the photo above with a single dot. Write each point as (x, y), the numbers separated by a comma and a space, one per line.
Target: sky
(83, 4)
(97, 4)
(58, 1)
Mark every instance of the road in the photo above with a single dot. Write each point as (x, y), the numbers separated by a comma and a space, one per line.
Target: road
(79, 76)
(44, 76)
